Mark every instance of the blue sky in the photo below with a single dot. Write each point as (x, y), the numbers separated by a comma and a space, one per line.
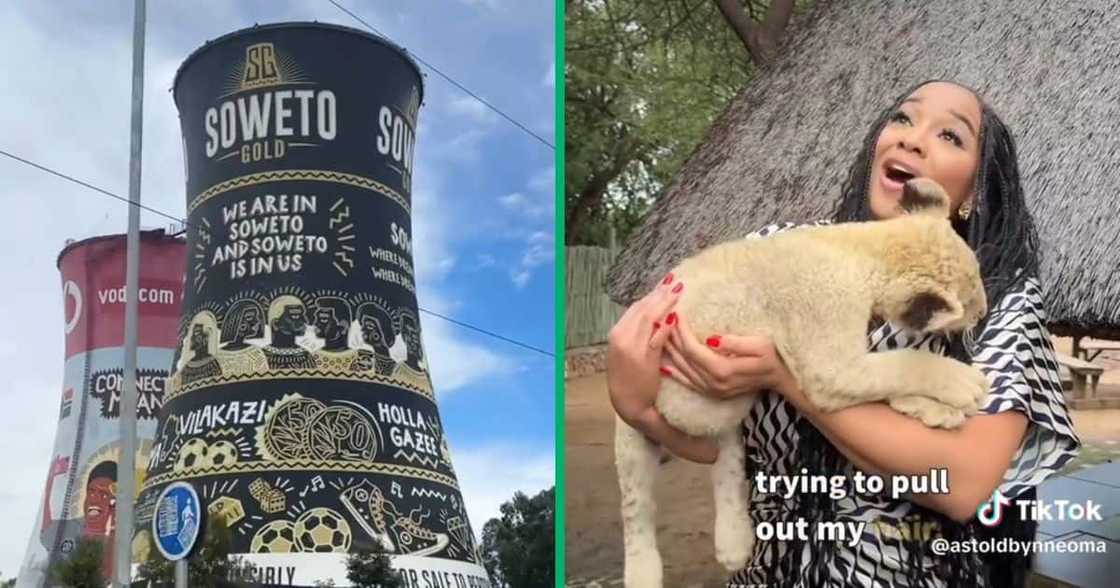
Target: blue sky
(483, 209)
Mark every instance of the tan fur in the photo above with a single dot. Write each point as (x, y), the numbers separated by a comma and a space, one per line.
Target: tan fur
(813, 291)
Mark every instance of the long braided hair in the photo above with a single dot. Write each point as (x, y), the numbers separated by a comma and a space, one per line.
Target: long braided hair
(1002, 234)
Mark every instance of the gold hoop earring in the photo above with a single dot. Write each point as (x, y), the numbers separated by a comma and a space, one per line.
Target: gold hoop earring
(965, 210)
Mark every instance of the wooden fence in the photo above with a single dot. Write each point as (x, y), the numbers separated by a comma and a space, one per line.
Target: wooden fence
(590, 313)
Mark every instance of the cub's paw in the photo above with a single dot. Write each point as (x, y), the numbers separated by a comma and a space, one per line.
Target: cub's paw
(734, 542)
(959, 385)
(929, 411)
(643, 572)
(981, 386)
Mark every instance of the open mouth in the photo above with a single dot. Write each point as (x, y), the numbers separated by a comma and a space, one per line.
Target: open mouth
(898, 175)
(895, 175)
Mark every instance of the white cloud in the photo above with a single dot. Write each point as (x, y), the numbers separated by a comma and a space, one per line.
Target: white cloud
(538, 251)
(461, 147)
(544, 180)
(536, 206)
(513, 201)
(453, 361)
(549, 80)
(537, 200)
(433, 255)
(491, 4)
(468, 106)
(489, 476)
(32, 403)
(520, 277)
(484, 260)
(533, 206)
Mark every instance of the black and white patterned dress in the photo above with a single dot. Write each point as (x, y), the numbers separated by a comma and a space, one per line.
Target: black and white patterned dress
(1014, 350)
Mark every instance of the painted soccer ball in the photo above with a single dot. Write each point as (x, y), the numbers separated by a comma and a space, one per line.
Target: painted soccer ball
(193, 454)
(275, 537)
(223, 453)
(322, 530)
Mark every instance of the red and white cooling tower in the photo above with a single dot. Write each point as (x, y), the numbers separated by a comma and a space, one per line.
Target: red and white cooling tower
(79, 495)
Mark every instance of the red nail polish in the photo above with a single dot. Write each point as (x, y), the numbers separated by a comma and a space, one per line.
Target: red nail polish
(671, 319)
(656, 325)
(665, 371)
(668, 279)
(676, 289)
(713, 341)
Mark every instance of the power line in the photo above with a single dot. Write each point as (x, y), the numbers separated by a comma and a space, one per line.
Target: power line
(87, 185)
(474, 328)
(90, 186)
(449, 79)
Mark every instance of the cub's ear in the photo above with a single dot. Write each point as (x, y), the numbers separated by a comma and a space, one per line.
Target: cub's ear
(930, 309)
(923, 196)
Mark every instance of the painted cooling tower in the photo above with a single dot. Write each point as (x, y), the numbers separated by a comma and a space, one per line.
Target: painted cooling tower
(80, 493)
(300, 405)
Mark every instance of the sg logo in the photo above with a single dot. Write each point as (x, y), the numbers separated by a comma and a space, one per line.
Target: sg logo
(260, 63)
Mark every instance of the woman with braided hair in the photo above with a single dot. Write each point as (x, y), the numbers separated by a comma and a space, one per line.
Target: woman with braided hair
(1022, 434)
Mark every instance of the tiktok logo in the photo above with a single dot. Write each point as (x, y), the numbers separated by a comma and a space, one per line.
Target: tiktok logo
(990, 513)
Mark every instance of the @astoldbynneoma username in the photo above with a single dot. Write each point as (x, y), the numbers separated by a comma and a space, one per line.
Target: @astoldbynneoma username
(941, 546)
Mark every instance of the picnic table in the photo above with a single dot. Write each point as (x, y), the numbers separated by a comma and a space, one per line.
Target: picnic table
(1084, 375)
(1089, 350)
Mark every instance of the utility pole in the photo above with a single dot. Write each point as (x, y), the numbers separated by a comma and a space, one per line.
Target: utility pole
(126, 472)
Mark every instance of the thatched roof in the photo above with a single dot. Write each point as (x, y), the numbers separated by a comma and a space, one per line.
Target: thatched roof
(783, 147)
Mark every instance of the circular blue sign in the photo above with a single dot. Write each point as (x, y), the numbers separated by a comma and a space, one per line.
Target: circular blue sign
(177, 521)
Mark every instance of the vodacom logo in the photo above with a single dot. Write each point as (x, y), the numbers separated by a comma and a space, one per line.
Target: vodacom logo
(71, 290)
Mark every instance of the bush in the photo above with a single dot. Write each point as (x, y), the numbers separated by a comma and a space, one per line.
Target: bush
(82, 569)
(519, 548)
(368, 567)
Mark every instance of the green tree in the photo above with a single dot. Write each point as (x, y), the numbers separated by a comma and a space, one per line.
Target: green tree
(518, 549)
(368, 567)
(10, 583)
(644, 79)
(83, 568)
(211, 565)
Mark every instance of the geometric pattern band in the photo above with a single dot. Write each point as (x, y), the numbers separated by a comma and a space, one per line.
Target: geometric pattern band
(287, 175)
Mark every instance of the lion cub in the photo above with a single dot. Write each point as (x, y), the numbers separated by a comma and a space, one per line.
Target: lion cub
(813, 291)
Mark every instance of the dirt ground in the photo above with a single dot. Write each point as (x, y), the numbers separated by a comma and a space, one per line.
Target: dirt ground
(593, 546)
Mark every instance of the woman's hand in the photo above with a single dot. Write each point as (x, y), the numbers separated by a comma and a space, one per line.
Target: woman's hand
(635, 347)
(725, 366)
